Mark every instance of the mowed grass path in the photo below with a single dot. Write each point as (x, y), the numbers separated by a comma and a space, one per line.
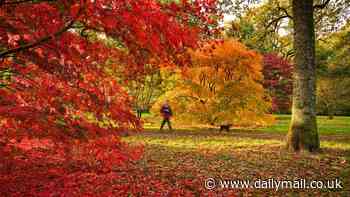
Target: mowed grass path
(184, 159)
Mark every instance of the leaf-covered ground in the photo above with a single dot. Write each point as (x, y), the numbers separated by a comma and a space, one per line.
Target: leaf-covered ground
(174, 163)
(184, 159)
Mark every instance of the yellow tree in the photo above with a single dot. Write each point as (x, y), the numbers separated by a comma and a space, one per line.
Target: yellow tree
(223, 85)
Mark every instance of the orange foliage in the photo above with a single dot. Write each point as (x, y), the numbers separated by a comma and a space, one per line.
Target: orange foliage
(223, 85)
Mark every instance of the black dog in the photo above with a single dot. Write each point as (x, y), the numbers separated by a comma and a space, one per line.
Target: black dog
(225, 127)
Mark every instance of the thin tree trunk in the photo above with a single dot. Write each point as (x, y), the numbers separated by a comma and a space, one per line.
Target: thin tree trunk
(303, 133)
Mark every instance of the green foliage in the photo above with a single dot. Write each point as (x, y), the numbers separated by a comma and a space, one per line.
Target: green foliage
(5, 76)
(268, 26)
(334, 71)
(265, 28)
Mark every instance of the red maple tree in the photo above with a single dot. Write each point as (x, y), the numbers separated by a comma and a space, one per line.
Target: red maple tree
(278, 81)
(54, 84)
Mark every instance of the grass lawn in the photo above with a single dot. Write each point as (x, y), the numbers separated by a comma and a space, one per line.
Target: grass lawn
(336, 126)
(185, 158)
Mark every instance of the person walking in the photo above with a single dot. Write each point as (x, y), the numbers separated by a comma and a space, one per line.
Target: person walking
(167, 114)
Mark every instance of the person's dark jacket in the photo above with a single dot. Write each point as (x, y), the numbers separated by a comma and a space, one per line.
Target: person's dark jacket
(166, 111)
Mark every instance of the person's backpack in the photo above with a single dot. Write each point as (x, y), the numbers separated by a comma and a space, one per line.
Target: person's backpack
(166, 110)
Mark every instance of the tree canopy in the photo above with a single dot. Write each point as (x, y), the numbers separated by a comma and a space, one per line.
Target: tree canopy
(224, 84)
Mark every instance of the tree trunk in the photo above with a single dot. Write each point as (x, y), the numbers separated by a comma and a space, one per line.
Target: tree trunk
(330, 112)
(303, 133)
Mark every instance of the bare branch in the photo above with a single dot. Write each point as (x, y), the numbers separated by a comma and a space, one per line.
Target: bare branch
(285, 11)
(322, 6)
(276, 20)
(11, 2)
(69, 25)
(272, 22)
(38, 42)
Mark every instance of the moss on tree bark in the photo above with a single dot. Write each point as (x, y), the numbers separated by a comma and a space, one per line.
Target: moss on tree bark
(303, 134)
